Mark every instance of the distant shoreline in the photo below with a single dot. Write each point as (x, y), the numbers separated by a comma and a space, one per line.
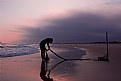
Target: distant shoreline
(92, 43)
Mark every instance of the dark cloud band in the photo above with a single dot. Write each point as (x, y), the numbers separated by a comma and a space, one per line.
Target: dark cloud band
(77, 27)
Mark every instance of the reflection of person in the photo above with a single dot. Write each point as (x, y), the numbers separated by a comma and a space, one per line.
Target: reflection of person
(44, 70)
(43, 48)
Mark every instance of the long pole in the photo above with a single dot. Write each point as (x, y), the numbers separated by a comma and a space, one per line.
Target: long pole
(71, 59)
(107, 44)
(57, 55)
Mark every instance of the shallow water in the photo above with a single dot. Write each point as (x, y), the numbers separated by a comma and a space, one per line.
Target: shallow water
(28, 67)
(11, 50)
(89, 70)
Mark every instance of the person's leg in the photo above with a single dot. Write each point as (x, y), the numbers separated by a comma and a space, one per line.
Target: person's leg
(43, 53)
(47, 58)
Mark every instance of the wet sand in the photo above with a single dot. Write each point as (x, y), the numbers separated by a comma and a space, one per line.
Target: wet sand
(20, 68)
(27, 67)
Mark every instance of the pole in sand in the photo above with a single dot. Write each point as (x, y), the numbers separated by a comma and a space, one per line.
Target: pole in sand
(105, 57)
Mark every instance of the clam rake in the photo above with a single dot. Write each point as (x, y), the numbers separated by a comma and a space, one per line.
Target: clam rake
(64, 59)
(103, 58)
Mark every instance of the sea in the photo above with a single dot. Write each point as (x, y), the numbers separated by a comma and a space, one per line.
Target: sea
(12, 50)
(27, 62)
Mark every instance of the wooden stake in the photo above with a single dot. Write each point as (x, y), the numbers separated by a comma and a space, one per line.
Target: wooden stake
(107, 44)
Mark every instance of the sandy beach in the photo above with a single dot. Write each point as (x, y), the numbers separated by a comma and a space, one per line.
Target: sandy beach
(28, 67)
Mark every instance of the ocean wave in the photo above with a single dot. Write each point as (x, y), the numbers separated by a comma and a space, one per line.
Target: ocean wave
(17, 50)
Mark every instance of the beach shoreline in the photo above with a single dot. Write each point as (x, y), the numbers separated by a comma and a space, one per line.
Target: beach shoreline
(27, 67)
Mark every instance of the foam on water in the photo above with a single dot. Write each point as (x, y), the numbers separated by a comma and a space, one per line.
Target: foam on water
(11, 50)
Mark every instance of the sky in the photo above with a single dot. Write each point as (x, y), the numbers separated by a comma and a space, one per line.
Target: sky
(67, 21)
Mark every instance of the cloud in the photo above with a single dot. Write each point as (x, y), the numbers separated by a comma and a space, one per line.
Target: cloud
(77, 27)
(113, 2)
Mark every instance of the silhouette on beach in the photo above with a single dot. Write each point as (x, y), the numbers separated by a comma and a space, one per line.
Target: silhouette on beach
(45, 73)
(43, 44)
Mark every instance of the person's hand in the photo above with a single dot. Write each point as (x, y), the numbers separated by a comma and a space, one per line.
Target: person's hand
(47, 49)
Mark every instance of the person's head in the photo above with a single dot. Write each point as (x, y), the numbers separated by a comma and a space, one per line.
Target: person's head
(50, 40)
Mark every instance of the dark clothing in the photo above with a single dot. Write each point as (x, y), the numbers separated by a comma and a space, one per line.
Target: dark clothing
(44, 42)
(43, 48)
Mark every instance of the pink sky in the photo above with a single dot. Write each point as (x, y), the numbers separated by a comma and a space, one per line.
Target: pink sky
(15, 14)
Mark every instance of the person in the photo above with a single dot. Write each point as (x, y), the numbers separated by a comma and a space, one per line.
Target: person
(43, 44)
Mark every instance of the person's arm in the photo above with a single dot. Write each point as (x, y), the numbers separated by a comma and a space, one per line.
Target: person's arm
(48, 46)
